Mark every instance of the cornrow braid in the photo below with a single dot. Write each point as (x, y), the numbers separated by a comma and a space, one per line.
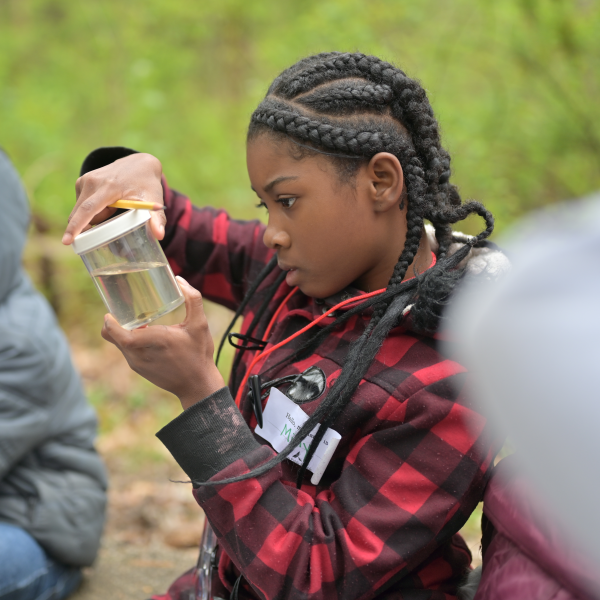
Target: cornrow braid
(347, 105)
(349, 98)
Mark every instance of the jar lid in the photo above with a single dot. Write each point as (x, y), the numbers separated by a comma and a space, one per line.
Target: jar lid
(109, 230)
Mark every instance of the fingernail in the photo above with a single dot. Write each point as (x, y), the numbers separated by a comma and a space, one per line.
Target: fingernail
(67, 239)
(161, 228)
(182, 281)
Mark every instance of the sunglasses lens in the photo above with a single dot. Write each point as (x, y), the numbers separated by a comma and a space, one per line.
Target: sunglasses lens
(308, 386)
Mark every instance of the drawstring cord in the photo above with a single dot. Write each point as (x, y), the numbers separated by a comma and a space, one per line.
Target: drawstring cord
(265, 353)
(261, 355)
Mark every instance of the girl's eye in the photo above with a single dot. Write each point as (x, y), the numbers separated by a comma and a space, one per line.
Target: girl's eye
(262, 205)
(287, 202)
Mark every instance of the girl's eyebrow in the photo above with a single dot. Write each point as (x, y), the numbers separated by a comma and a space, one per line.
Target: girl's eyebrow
(277, 180)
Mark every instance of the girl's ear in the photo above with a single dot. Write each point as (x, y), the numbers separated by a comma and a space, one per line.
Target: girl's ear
(386, 181)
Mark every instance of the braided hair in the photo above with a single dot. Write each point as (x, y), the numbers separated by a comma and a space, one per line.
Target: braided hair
(349, 107)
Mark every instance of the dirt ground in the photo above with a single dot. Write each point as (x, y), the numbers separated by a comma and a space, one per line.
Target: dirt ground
(152, 534)
(129, 571)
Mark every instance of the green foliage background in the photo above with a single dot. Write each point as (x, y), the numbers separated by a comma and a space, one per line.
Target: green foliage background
(515, 85)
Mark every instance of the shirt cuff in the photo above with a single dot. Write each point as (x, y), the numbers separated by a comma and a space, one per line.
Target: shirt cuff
(208, 436)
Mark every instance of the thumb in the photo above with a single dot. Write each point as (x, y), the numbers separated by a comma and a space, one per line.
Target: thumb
(158, 220)
(194, 307)
(112, 332)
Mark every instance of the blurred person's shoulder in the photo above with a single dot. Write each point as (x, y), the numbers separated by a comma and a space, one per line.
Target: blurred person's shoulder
(554, 226)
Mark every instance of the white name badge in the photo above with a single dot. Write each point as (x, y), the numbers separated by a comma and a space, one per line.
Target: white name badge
(282, 419)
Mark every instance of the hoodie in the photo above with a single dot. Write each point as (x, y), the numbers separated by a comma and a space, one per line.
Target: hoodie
(52, 481)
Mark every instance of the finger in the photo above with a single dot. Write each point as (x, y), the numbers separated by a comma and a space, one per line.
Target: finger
(102, 216)
(158, 220)
(105, 331)
(88, 210)
(115, 334)
(194, 307)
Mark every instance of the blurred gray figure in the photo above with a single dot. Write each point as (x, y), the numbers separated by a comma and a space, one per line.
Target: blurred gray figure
(52, 481)
(532, 343)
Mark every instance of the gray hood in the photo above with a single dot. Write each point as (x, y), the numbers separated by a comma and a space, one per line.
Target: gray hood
(14, 209)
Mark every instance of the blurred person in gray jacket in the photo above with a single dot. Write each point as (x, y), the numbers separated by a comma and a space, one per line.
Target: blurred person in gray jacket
(52, 481)
(531, 342)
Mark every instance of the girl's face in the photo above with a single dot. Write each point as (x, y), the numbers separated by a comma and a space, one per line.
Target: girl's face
(327, 234)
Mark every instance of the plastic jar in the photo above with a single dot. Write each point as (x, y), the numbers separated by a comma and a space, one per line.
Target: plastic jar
(129, 269)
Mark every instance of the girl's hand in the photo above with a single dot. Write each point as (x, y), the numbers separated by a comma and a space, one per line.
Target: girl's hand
(178, 358)
(135, 177)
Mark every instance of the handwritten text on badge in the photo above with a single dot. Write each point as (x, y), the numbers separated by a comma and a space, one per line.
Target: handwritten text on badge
(282, 419)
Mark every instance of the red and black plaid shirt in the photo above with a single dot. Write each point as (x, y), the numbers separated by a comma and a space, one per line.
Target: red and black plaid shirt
(409, 470)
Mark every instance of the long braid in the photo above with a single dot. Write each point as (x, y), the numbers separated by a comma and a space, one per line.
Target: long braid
(359, 359)
(335, 399)
(350, 106)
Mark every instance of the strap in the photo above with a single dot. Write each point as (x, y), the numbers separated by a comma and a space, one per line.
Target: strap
(235, 588)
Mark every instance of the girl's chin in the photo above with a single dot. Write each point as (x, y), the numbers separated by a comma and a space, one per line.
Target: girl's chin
(315, 291)
(308, 286)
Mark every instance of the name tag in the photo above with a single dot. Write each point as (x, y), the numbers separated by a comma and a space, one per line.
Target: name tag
(281, 420)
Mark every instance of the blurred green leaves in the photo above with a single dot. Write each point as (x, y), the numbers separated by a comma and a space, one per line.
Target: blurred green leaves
(515, 85)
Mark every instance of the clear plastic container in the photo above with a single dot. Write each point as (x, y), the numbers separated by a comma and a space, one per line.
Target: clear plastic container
(130, 270)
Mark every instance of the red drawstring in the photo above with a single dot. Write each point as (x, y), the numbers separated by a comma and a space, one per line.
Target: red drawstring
(279, 308)
(264, 353)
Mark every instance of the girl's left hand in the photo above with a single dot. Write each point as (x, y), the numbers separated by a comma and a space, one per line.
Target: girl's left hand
(178, 358)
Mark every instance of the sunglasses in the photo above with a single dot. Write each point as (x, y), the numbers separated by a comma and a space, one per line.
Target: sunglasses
(303, 387)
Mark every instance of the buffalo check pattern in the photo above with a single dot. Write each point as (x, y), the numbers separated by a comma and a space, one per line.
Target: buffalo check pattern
(409, 470)
(410, 467)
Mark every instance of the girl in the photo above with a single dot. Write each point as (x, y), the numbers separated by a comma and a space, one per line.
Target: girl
(340, 293)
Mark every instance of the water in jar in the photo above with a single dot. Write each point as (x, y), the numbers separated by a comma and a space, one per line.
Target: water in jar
(137, 293)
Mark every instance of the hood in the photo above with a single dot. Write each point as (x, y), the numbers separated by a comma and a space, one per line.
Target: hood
(14, 209)
(485, 261)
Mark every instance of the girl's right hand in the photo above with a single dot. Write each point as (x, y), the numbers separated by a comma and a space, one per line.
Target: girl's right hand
(134, 177)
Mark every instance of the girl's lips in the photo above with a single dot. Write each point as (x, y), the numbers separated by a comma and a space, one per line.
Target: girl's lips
(291, 277)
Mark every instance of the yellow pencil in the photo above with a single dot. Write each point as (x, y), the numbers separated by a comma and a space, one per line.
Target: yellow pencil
(136, 204)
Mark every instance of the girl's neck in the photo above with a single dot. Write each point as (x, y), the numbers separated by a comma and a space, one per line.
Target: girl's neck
(381, 276)
(422, 260)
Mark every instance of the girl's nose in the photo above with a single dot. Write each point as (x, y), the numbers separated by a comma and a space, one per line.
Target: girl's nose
(276, 238)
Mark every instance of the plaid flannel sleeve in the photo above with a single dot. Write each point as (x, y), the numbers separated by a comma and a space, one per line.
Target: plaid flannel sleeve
(403, 491)
(216, 254)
